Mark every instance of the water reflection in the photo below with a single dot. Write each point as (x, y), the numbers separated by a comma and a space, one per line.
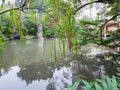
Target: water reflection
(27, 67)
(61, 79)
(87, 71)
(35, 71)
(11, 82)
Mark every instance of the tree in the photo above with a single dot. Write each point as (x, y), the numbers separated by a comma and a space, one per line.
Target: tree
(65, 12)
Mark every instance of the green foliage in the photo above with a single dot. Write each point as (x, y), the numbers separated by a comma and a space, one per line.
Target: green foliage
(115, 7)
(1, 41)
(92, 22)
(16, 18)
(49, 32)
(88, 31)
(31, 27)
(58, 12)
(105, 84)
(5, 26)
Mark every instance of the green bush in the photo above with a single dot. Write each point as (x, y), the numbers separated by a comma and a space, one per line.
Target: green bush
(31, 27)
(5, 25)
(49, 32)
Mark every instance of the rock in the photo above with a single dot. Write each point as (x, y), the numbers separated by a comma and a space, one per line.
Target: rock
(16, 35)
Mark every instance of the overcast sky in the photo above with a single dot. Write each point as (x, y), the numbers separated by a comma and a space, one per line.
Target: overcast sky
(89, 12)
(6, 1)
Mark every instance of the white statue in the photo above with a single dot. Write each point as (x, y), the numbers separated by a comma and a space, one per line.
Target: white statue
(40, 36)
(40, 32)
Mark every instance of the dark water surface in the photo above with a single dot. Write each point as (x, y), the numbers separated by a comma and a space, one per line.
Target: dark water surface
(28, 66)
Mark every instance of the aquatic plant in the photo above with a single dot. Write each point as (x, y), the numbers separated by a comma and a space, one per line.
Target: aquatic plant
(104, 84)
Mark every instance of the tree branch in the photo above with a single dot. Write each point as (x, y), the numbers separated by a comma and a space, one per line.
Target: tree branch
(86, 5)
(41, 10)
(24, 4)
(22, 9)
(18, 8)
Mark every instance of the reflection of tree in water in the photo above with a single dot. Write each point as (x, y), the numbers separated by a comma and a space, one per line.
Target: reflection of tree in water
(5, 62)
(4, 70)
(89, 69)
(58, 74)
(85, 68)
(110, 61)
(85, 71)
(38, 71)
(35, 71)
(80, 68)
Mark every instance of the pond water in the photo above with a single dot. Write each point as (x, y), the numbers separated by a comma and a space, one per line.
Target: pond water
(29, 66)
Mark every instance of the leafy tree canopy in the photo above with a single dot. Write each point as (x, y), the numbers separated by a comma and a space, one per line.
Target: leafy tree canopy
(61, 13)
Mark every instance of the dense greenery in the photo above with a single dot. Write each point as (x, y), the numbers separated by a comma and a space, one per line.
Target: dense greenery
(62, 16)
(5, 25)
(66, 11)
(58, 19)
(31, 27)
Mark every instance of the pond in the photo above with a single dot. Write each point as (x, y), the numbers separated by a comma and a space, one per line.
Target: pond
(29, 66)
